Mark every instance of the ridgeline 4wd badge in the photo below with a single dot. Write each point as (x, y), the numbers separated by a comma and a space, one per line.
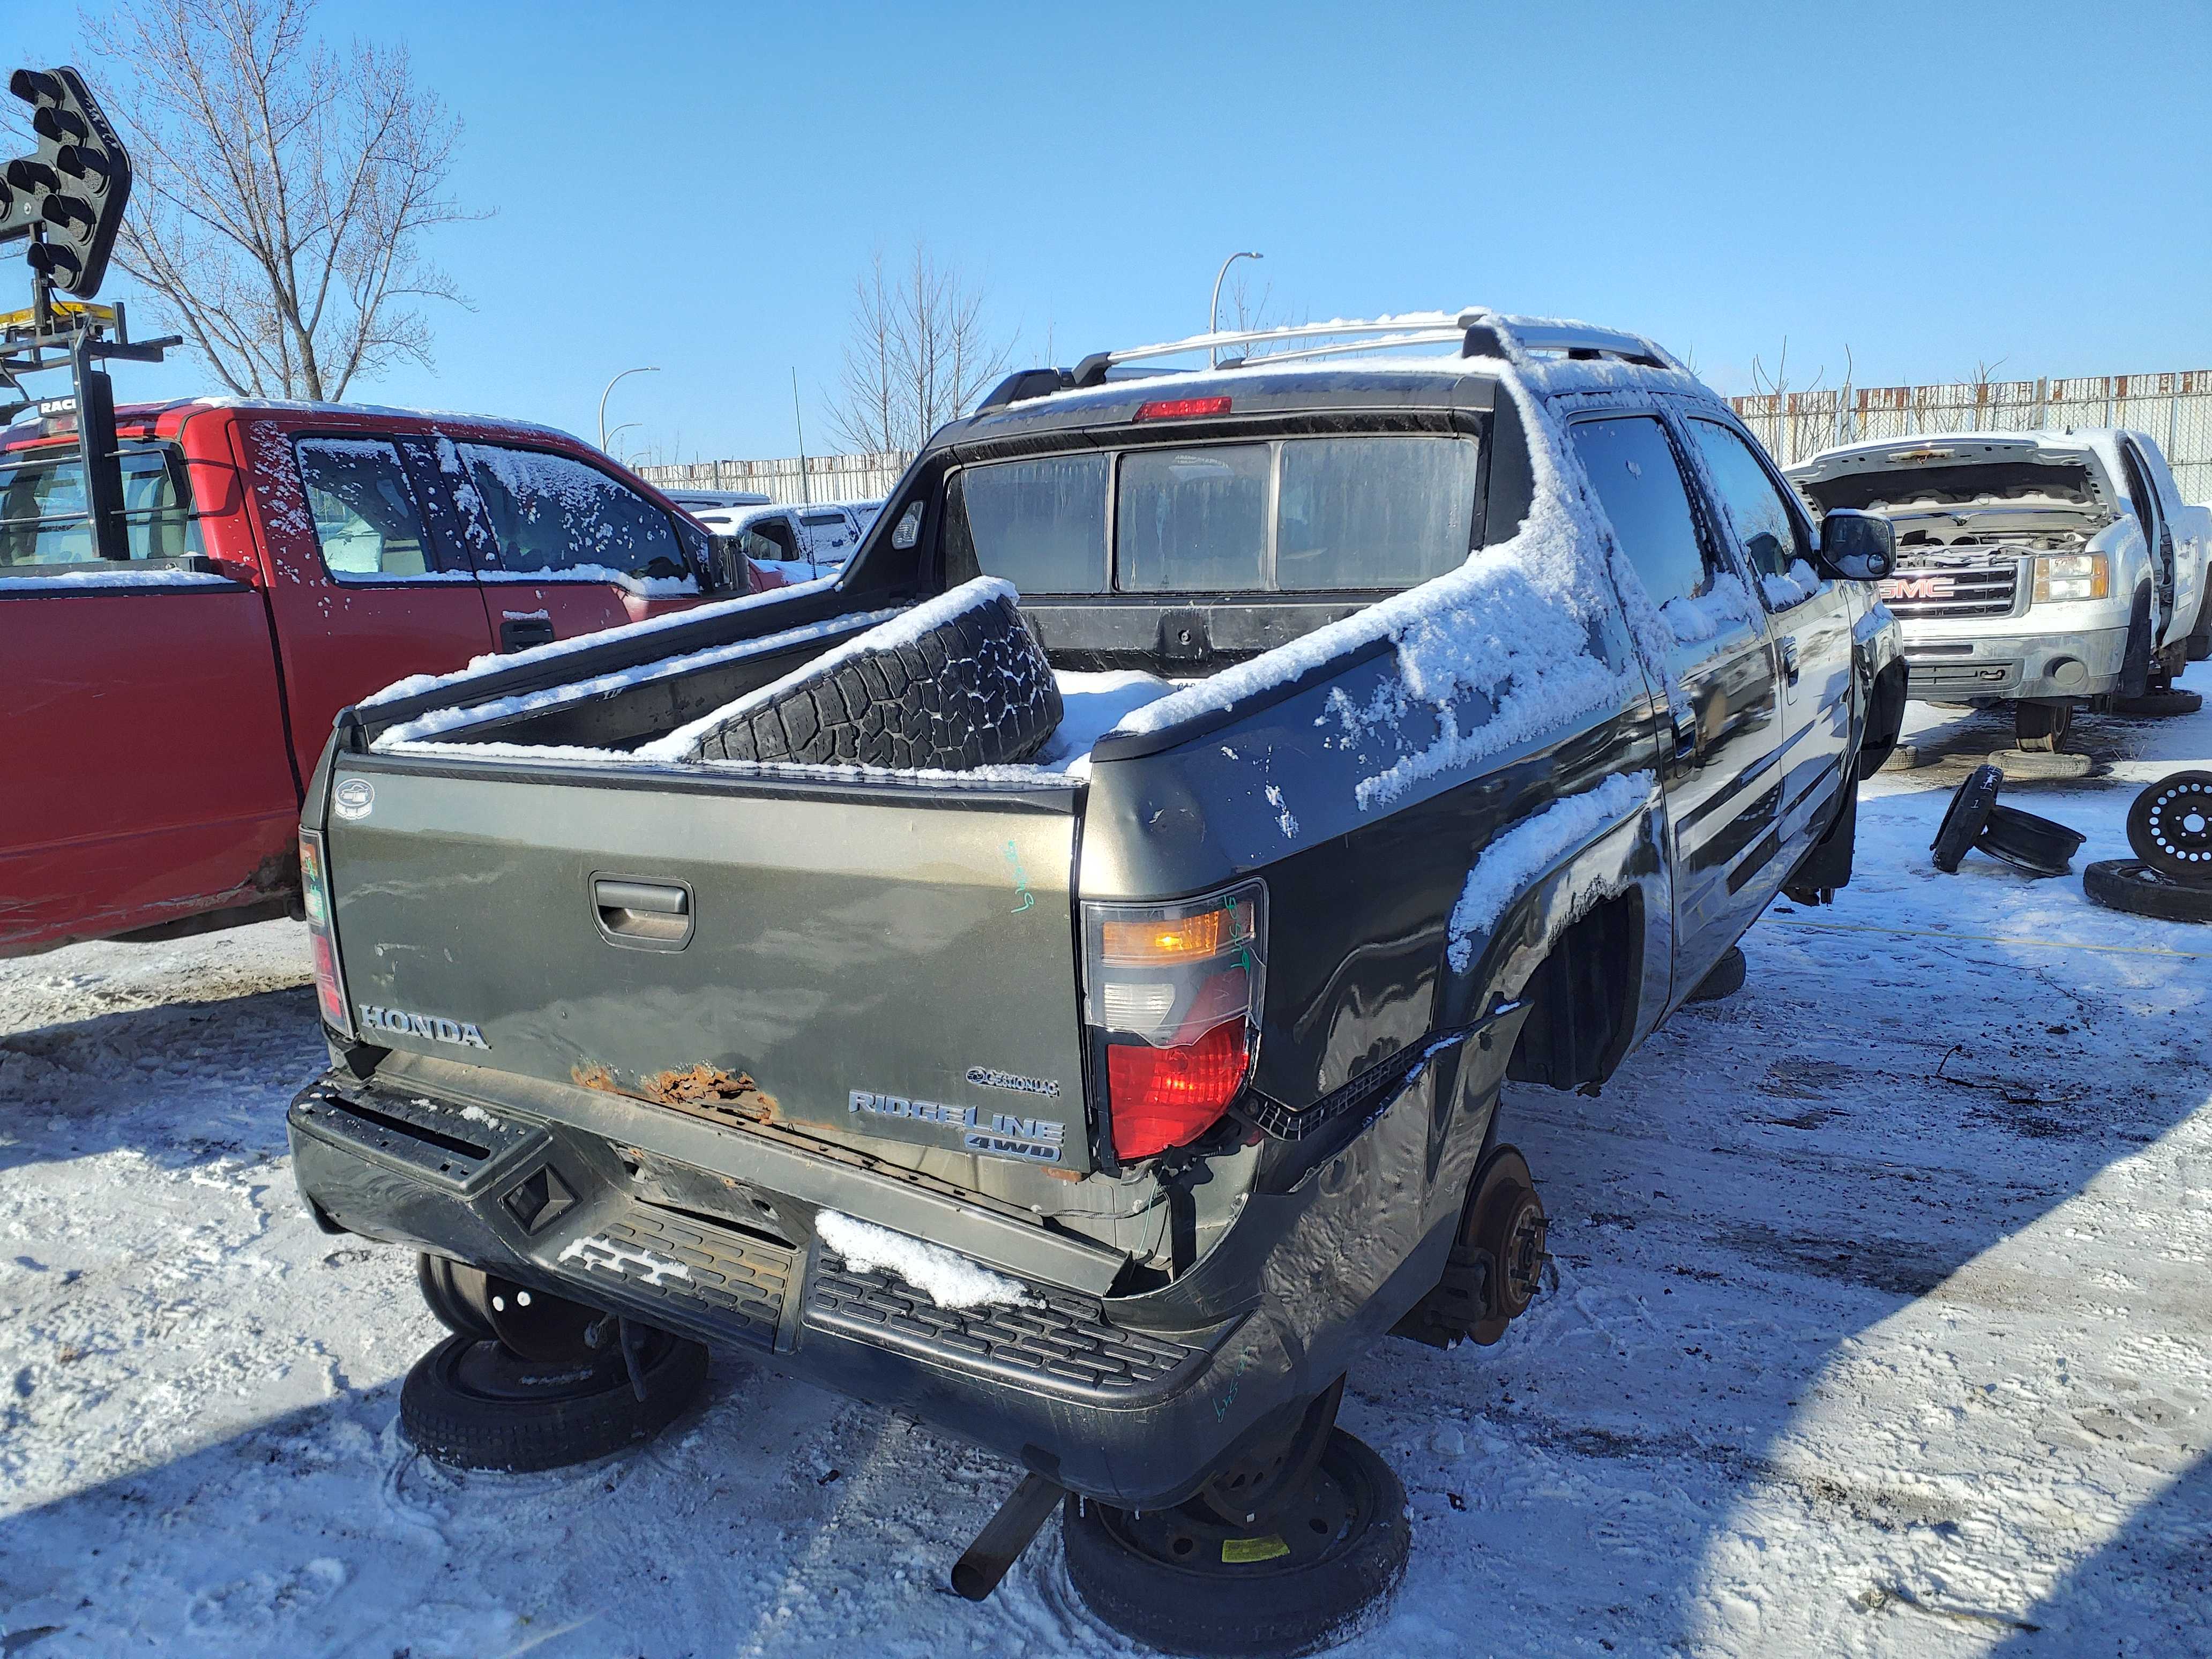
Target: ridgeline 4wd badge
(994, 1134)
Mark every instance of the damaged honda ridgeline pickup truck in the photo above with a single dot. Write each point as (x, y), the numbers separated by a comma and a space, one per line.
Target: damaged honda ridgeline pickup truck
(1055, 977)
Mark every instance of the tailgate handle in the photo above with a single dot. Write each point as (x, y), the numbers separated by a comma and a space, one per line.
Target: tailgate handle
(649, 912)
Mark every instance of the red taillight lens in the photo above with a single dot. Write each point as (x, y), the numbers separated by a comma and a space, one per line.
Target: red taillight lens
(1182, 409)
(326, 981)
(315, 900)
(1162, 1097)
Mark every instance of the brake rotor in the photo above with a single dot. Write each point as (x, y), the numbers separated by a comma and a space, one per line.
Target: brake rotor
(2170, 827)
(1507, 1222)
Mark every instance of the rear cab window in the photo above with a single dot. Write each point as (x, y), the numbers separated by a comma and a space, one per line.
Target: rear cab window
(1352, 514)
(44, 527)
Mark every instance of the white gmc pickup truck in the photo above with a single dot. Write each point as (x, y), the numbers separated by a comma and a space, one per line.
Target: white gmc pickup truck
(2038, 569)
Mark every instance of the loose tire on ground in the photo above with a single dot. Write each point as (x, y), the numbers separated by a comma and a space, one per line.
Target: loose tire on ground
(2159, 705)
(2041, 727)
(476, 1406)
(960, 685)
(1187, 1585)
(1963, 819)
(2131, 885)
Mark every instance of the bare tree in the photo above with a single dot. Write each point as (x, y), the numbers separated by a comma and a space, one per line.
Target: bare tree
(284, 190)
(920, 353)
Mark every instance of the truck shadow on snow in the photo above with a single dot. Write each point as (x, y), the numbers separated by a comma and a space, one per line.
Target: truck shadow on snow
(1854, 1156)
(180, 1083)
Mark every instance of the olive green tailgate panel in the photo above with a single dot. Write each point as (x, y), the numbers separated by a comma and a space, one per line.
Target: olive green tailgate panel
(767, 955)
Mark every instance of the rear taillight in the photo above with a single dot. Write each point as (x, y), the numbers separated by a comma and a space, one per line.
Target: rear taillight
(322, 937)
(1175, 990)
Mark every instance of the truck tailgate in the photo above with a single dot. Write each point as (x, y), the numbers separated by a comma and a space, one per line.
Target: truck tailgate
(890, 962)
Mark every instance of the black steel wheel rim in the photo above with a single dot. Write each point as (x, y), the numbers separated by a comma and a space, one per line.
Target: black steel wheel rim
(489, 1371)
(2035, 843)
(2170, 827)
(1326, 1521)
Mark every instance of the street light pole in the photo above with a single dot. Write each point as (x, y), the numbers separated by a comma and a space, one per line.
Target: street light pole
(1213, 317)
(604, 396)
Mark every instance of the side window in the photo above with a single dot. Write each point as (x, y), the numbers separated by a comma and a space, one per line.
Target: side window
(770, 539)
(551, 513)
(367, 522)
(1041, 524)
(1192, 520)
(1633, 469)
(1771, 535)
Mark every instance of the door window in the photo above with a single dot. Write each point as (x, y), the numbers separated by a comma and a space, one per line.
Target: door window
(367, 522)
(1192, 520)
(44, 517)
(1772, 537)
(552, 513)
(1632, 466)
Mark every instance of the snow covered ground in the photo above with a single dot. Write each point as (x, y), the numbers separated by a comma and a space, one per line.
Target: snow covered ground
(1880, 1328)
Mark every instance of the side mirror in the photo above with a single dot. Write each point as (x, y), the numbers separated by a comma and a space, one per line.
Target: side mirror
(1859, 547)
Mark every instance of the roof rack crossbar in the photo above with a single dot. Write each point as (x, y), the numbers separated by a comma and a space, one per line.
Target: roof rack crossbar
(1480, 332)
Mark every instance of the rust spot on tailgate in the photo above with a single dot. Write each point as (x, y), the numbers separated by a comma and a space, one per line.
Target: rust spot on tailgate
(707, 1090)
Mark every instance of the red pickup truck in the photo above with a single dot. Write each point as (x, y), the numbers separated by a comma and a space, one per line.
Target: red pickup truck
(285, 560)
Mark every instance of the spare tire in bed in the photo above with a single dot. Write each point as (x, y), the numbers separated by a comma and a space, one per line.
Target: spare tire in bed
(956, 682)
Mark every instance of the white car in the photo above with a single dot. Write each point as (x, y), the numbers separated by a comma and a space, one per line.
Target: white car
(797, 543)
(2038, 569)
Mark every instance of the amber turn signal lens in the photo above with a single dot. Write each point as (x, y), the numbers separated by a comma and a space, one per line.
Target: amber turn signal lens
(1184, 939)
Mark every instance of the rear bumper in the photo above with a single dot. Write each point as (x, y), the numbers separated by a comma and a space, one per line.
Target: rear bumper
(1135, 1417)
(1943, 665)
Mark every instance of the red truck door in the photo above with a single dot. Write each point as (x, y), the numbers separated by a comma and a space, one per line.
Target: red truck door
(563, 544)
(361, 589)
(145, 774)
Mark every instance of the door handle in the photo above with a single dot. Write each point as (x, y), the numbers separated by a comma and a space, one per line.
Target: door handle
(1686, 740)
(1789, 659)
(520, 633)
(654, 913)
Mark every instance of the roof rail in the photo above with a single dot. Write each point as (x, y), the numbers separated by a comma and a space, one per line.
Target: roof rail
(1478, 331)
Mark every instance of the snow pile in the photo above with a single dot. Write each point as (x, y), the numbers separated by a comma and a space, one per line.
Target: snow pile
(1516, 857)
(85, 578)
(1793, 586)
(903, 628)
(946, 1277)
(1517, 626)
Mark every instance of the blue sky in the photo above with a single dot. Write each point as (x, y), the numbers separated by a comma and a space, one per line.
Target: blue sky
(697, 185)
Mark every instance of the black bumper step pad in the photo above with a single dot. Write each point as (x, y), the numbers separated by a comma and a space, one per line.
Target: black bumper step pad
(447, 1145)
(736, 1285)
(1061, 1344)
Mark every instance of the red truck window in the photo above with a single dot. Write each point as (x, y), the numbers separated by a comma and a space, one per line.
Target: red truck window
(558, 517)
(367, 523)
(43, 521)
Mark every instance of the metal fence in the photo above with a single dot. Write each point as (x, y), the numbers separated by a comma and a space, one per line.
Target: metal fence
(2175, 408)
(826, 478)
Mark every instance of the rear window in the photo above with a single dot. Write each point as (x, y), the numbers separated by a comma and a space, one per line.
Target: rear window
(43, 513)
(1297, 515)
